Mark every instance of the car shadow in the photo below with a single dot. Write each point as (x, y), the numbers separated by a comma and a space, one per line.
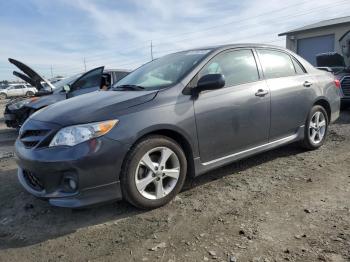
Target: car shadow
(31, 221)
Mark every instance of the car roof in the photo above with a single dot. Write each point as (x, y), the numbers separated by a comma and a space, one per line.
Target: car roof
(229, 46)
(116, 70)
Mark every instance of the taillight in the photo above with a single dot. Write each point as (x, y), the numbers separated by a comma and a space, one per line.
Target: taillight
(337, 83)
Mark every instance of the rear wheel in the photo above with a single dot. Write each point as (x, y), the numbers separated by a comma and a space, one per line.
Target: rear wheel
(154, 172)
(316, 128)
(3, 96)
(29, 93)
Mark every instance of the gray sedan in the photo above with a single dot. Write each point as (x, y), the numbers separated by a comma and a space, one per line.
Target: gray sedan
(175, 117)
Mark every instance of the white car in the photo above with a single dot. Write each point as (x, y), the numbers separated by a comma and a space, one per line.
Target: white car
(17, 90)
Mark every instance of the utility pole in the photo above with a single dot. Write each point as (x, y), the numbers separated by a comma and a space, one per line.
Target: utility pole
(151, 51)
(51, 72)
(84, 64)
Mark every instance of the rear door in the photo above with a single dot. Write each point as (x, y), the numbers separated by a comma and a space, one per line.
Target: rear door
(237, 116)
(291, 92)
(88, 82)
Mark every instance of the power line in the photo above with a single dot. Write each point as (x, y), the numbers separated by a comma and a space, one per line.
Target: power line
(241, 30)
(218, 26)
(256, 35)
(237, 22)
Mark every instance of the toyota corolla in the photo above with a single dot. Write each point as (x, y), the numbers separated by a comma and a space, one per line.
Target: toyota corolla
(178, 116)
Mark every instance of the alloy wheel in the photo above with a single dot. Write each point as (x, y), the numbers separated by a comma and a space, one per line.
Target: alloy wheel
(157, 173)
(317, 127)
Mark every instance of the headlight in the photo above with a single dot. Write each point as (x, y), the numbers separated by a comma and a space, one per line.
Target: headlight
(21, 104)
(73, 135)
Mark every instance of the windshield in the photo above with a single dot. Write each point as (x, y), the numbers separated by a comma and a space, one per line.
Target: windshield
(67, 81)
(163, 72)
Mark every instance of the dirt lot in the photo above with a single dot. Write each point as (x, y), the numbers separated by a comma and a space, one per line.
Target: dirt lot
(284, 205)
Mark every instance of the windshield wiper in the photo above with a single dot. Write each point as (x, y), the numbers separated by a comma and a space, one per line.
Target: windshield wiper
(129, 87)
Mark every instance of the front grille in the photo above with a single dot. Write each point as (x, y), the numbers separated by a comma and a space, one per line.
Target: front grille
(33, 181)
(345, 86)
(31, 138)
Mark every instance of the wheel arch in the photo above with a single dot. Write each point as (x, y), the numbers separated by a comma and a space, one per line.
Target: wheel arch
(326, 105)
(179, 138)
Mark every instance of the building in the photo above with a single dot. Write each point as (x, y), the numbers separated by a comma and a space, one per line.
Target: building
(322, 37)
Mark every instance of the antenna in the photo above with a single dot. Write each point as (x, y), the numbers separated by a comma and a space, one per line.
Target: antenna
(151, 51)
(84, 61)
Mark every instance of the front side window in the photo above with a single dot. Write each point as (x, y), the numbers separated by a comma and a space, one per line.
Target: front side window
(238, 67)
(89, 80)
(276, 64)
(163, 72)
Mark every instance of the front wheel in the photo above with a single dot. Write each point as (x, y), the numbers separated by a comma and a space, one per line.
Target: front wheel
(154, 172)
(3, 96)
(316, 128)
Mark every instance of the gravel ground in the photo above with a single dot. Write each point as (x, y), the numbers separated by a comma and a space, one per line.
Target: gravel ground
(284, 205)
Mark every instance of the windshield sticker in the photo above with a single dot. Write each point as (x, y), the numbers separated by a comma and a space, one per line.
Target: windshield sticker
(198, 52)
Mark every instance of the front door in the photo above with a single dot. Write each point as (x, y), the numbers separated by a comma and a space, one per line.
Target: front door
(88, 82)
(236, 117)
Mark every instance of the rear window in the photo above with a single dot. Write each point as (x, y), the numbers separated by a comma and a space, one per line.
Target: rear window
(276, 64)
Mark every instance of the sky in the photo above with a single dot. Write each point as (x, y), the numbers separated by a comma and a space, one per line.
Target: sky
(62, 34)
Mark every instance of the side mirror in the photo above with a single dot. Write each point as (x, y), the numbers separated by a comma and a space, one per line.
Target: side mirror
(211, 82)
(66, 88)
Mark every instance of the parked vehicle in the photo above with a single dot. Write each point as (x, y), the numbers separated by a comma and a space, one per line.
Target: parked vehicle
(335, 64)
(17, 111)
(180, 115)
(17, 90)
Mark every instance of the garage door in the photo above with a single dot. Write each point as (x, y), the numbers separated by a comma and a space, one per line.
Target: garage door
(308, 48)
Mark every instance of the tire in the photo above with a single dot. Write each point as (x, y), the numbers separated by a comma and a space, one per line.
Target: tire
(147, 189)
(29, 93)
(311, 140)
(3, 96)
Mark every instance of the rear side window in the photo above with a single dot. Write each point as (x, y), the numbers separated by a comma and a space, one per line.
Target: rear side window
(276, 64)
(298, 67)
(238, 67)
(120, 75)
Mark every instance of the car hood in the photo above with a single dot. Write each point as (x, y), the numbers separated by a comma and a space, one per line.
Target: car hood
(47, 100)
(92, 107)
(29, 73)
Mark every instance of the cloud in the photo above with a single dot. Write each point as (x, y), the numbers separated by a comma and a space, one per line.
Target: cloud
(118, 33)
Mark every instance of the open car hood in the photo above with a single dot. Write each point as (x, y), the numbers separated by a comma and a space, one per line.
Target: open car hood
(24, 78)
(35, 78)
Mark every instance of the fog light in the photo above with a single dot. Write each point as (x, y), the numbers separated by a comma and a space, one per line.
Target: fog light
(72, 184)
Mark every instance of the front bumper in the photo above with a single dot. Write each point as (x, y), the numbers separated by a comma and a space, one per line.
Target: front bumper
(93, 165)
(15, 118)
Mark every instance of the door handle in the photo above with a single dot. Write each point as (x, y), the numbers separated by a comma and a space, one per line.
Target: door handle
(261, 92)
(307, 84)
